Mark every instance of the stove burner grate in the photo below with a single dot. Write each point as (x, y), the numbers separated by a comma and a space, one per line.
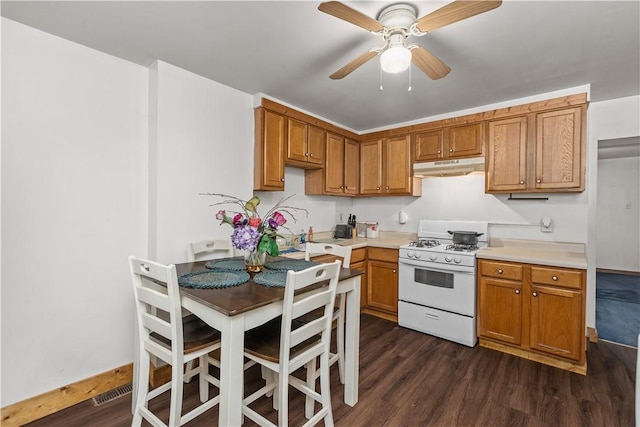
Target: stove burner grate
(423, 243)
(459, 247)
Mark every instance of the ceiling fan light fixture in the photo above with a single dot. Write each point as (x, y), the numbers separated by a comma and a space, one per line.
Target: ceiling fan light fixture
(395, 59)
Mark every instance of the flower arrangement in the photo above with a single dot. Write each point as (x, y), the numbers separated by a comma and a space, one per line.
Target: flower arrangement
(252, 232)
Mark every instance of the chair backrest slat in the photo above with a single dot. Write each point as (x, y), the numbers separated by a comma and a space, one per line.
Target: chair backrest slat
(209, 249)
(157, 325)
(295, 306)
(154, 298)
(344, 252)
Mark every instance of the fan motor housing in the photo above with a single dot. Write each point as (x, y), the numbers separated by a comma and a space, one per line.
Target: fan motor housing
(398, 17)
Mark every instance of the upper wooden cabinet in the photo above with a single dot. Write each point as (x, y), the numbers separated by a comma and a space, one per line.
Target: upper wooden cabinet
(305, 144)
(340, 175)
(385, 167)
(269, 147)
(449, 143)
(537, 152)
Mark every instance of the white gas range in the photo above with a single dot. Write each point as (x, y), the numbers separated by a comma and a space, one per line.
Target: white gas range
(437, 281)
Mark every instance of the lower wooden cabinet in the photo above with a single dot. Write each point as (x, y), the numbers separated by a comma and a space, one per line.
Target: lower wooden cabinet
(382, 286)
(533, 311)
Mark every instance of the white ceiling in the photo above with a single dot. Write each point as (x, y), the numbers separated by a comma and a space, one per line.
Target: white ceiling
(287, 50)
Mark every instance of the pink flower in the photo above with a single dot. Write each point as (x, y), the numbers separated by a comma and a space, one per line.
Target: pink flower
(220, 215)
(237, 219)
(279, 218)
(254, 222)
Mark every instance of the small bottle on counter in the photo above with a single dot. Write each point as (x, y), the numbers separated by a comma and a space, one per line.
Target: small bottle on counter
(310, 235)
(302, 237)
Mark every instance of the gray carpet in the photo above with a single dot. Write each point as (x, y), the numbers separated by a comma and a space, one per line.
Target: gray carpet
(618, 308)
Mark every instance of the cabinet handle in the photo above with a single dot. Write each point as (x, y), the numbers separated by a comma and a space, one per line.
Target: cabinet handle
(535, 294)
(341, 187)
(500, 271)
(538, 181)
(387, 187)
(517, 291)
(438, 151)
(377, 188)
(554, 278)
(394, 271)
(310, 154)
(282, 179)
(521, 182)
(346, 188)
(451, 150)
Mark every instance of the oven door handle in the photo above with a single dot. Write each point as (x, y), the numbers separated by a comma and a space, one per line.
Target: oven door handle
(450, 268)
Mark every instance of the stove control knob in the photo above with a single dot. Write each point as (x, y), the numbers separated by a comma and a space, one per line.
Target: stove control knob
(417, 255)
(447, 258)
(457, 260)
(410, 254)
(433, 257)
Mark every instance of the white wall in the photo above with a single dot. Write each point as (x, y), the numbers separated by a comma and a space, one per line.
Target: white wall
(201, 141)
(72, 120)
(618, 220)
(613, 119)
(322, 209)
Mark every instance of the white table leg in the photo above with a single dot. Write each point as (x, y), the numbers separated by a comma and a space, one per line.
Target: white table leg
(231, 372)
(352, 347)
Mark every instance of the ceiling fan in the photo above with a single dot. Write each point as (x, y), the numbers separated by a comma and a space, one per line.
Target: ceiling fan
(395, 24)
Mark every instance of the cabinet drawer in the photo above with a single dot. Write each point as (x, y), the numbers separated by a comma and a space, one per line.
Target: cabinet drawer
(501, 270)
(358, 255)
(557, 277)
(382, 254)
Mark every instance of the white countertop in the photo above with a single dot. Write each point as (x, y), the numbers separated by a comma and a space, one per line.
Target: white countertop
(557, 254)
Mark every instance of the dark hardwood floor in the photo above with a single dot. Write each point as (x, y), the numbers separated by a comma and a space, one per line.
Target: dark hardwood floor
(412, 379)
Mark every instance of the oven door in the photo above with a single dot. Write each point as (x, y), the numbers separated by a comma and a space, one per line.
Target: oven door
(450, 288)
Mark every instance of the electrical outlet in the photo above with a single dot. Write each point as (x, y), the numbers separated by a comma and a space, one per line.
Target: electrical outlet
(341, 218)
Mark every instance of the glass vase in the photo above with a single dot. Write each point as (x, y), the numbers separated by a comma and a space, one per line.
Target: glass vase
(254, 261)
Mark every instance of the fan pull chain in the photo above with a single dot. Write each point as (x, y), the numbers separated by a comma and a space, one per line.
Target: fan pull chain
(381, 88)
(409, 90)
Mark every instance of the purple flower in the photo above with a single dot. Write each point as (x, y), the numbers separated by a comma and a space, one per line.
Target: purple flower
(245, 237)
(279, 218)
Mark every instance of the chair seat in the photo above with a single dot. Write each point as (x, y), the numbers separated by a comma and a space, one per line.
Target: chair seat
(196, 333)
(264, 341)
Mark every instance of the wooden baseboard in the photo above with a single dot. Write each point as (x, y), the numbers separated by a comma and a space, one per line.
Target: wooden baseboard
(40, 406)
(592, 334)
(566, 365)
(381, 314)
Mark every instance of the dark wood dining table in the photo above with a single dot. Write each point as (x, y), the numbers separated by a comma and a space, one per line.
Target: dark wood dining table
(236, 309)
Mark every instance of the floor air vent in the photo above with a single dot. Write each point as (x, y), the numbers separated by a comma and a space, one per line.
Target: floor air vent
(112, 394)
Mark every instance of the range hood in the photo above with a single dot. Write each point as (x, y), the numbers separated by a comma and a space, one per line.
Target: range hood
(448, 167)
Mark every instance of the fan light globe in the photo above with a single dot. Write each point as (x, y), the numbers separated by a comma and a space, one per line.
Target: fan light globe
(395, 59)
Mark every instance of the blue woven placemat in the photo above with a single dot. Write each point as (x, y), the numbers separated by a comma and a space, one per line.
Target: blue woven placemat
(289, 264)
(271, 279)
(213, 279)
(236, 264)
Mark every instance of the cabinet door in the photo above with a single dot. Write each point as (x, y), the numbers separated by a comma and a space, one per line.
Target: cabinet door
(507, 155)
(556, 321)
(371, 167)
(429, 146)
(315, 147)
(397, 165)
(382, 289)
(351, 167)
(558, 157)
(270, 155)
(500, 310)
(465, 140)
(334, 165)
(296, 140)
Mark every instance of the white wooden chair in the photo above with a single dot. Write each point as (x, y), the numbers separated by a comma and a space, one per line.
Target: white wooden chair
(175, 341)
(209, 249)
(283, 351)
(344, 252)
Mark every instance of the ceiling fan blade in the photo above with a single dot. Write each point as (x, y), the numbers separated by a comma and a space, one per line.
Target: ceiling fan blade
(353, 65)
(429, 63)
(454, 12)
(344, 12)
